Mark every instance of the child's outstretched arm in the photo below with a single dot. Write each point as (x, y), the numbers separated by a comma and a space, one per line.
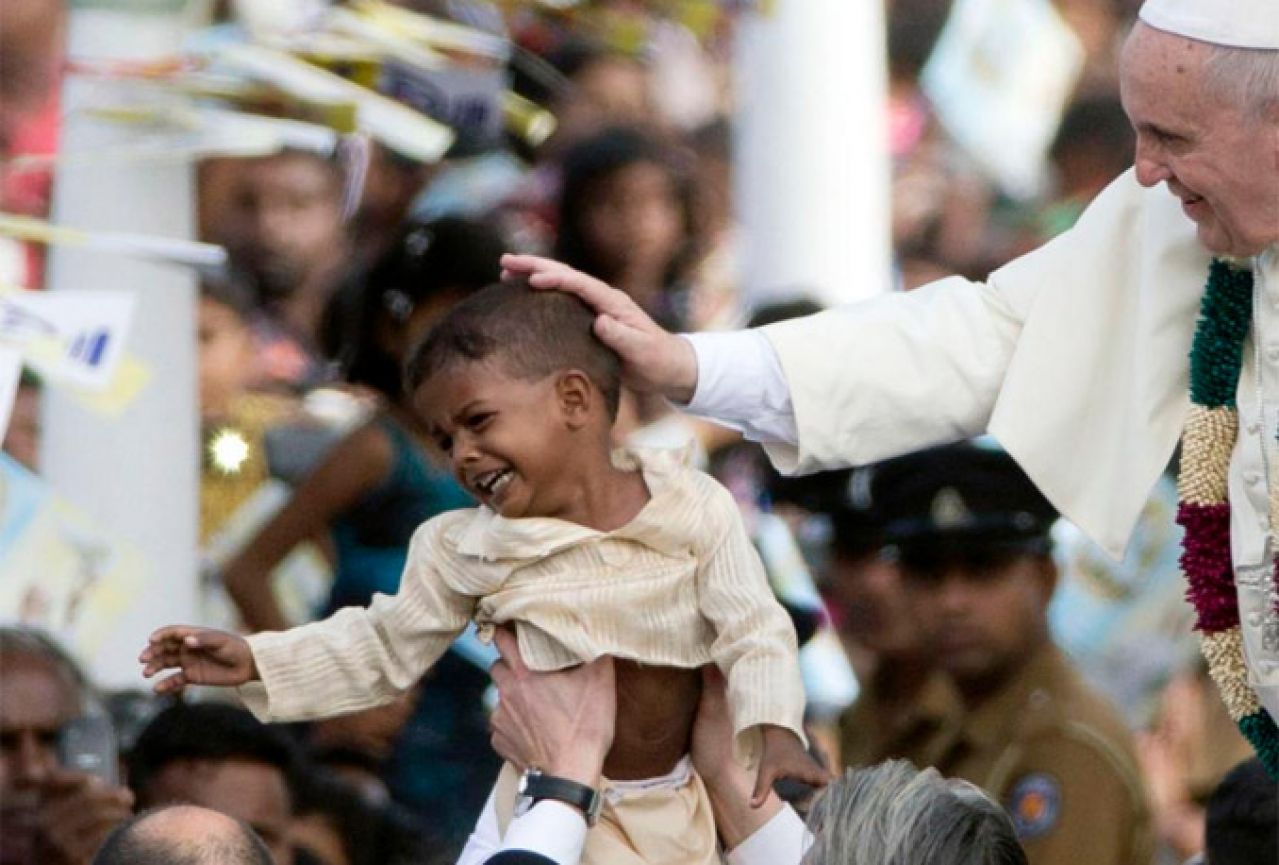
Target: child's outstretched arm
(201, 656)
(784, 756)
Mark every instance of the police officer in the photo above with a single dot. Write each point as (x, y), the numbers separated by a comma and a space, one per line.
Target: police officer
(904, 701)
(970, 535)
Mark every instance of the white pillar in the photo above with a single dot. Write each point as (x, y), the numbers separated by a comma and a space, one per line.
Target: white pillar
(812, 166)
(136, 475)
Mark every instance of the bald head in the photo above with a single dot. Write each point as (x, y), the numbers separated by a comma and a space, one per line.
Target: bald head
(183, 835)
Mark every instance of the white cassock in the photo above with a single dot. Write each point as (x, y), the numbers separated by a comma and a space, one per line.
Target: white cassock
(1075, 357)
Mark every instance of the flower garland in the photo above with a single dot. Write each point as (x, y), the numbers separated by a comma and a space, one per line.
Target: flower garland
(1207, 441)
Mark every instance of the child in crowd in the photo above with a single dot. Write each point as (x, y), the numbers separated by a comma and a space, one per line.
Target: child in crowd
(366, 493)
(583, 551)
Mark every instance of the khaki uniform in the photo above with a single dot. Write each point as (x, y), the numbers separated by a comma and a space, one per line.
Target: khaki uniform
(1060, 760)
(874, 729)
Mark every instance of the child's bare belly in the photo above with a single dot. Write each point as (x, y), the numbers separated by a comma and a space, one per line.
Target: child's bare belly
(656, 707)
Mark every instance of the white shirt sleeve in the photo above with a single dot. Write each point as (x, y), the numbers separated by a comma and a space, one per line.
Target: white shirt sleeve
(740, 384)
(783, 840)
(553, 829)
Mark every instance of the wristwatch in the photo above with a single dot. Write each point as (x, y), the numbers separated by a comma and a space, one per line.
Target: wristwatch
(535, 786)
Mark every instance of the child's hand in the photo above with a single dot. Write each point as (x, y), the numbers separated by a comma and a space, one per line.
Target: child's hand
(201, 656)
(784, 757)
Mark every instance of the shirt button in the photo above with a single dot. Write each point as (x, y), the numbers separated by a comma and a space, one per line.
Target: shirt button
(1272, 353)
(1252, 478)
(1253, 427)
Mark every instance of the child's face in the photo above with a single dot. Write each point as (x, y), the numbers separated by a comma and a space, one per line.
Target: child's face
(227, 358)
(507, 439)
(634, 219)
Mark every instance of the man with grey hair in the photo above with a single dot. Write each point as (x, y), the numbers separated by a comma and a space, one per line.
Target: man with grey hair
(49, 813)
(894, 814)
(1075, 356)
(183, 835)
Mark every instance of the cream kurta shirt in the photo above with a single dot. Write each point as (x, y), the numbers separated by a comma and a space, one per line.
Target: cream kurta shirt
(1075, 356)
(680, 585)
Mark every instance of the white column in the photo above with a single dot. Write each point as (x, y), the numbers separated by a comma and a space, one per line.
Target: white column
(812, 168)
(137, 475)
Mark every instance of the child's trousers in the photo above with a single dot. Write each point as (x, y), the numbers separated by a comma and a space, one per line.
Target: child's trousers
(659, 821)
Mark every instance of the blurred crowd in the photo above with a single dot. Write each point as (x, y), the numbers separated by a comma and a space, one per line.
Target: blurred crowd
(315, 471)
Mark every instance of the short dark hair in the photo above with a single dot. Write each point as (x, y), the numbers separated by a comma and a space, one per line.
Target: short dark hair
(531, 332)
(206, 731)
(1243, 817)
(130, 845)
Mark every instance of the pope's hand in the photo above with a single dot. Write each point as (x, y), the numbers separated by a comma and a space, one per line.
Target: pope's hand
(654, 360)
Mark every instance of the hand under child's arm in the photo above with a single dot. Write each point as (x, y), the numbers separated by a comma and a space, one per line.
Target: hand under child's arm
(201, 656)
(784, 756)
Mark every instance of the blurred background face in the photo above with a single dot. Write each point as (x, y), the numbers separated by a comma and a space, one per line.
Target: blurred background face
(284, 220)
(256, 793)
(35, 703)
(30, 54)
(227, 359)
(874, 608)
(633, 218)
(982, 614)
(607, 91)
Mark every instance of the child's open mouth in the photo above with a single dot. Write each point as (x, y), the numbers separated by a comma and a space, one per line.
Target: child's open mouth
(492, 483)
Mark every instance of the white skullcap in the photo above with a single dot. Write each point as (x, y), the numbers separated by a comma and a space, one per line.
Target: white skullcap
(1235, 23)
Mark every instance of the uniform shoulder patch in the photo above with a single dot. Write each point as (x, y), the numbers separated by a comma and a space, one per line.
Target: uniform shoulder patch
(1034, 803)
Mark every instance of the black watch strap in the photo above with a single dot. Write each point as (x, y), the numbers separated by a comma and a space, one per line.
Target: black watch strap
(539, 786)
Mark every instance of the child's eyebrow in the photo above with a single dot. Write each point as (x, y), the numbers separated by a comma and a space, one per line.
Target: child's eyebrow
(464, 410)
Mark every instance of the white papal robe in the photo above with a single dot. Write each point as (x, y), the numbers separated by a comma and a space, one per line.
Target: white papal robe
(1074, 356)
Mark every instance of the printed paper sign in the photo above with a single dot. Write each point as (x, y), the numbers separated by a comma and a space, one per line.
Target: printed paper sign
(999, 78)
(58, 571)
(71, 337)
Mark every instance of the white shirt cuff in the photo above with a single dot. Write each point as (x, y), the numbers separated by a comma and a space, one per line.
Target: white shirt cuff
(741, 384)
(555, 830)
(783, 840)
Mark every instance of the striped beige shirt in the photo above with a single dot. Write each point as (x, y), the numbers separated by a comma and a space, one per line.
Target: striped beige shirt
(679, 585)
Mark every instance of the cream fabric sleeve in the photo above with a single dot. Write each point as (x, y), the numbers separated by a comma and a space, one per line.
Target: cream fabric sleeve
(755, 642)
(895, 373)
(360, 658)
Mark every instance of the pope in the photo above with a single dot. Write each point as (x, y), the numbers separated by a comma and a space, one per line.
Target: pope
(1077, 356)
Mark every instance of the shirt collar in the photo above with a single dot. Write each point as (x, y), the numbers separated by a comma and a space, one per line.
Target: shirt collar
(491, 537)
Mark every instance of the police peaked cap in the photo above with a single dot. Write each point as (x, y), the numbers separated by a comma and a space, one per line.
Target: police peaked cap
(964, 495)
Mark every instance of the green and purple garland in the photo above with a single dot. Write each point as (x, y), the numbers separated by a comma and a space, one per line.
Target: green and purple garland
(1207, 441)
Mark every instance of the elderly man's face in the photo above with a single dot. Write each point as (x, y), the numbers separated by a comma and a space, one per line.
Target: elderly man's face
(1222, 163)
(35, 703)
